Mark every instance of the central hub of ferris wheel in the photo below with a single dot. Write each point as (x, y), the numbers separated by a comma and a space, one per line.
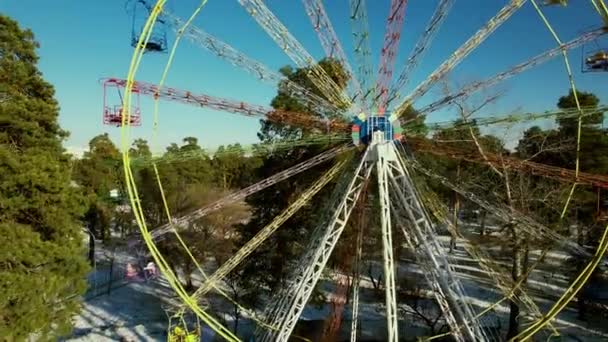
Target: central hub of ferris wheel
(364, 129)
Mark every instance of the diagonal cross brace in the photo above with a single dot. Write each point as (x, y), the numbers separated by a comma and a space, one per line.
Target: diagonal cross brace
(241, 194)
(293, 298)
(442, 270)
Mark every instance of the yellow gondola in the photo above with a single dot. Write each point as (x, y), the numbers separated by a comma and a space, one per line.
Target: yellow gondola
(179, 331)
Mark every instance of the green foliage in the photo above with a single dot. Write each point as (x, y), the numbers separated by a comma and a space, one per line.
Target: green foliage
(233, 168)
(468, 175)
(272, 131)
(212, 236)
(192, 171)
(269, 266)
(331, 66)
(42, 264)
(226, 170)
(585, 100)
(558, 148)
(176, 178)
(140, 149)
(188, 184)
(412, 122)
(98, 172)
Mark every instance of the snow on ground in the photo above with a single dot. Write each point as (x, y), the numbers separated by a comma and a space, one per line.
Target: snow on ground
(546, 284)
(130, 311)
(135, 310)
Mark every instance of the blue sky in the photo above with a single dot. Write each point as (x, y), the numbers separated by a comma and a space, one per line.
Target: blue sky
(83, 41)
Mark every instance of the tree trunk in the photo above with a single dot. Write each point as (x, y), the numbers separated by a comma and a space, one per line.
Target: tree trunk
(526, 261)
(598, 211)
(397, 257)
(455, 213)
(235, 307)
(517, 272)
(580, 229)
(188, 277)
(371, 277)
(91, 248)
(104, 234)
(110, 280)
(236, 319)
(482, 225)
(452, 244)
(331, 326)
(173, 269)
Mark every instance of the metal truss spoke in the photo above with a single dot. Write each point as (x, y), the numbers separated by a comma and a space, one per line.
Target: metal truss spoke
(279, 33)
(441, 12)
(501, 278)
(460, 54)
(360, 31)
(440, 297)
(413, 239)
(333, 48)
(265, 232)
(241, 194)
(237, 58)
(474, 87)
(544, 170)
(295, 119)
(514, 118)
(427, 237)
(292, 299)
(392, 36)
(524, 222)
(494, 271)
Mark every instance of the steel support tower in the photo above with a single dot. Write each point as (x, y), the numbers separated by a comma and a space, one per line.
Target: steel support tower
(400, 201)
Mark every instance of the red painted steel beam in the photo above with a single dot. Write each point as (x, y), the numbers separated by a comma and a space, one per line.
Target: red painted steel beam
(297, 119)
(499, 161)
(392, 36)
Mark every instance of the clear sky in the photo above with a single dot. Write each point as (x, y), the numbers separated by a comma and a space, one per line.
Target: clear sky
(83, 41)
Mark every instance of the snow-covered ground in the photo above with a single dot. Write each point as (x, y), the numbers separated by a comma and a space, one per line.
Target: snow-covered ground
(116, 309)
(130, 312)
(134, 311)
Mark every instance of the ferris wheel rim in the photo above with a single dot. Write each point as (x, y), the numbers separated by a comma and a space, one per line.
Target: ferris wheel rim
(161, 1)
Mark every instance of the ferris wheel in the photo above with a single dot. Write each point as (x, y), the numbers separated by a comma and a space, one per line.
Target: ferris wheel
(383, 152)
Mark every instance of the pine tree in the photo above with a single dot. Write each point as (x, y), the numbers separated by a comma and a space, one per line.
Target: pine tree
(97, 173)
(42, 261)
